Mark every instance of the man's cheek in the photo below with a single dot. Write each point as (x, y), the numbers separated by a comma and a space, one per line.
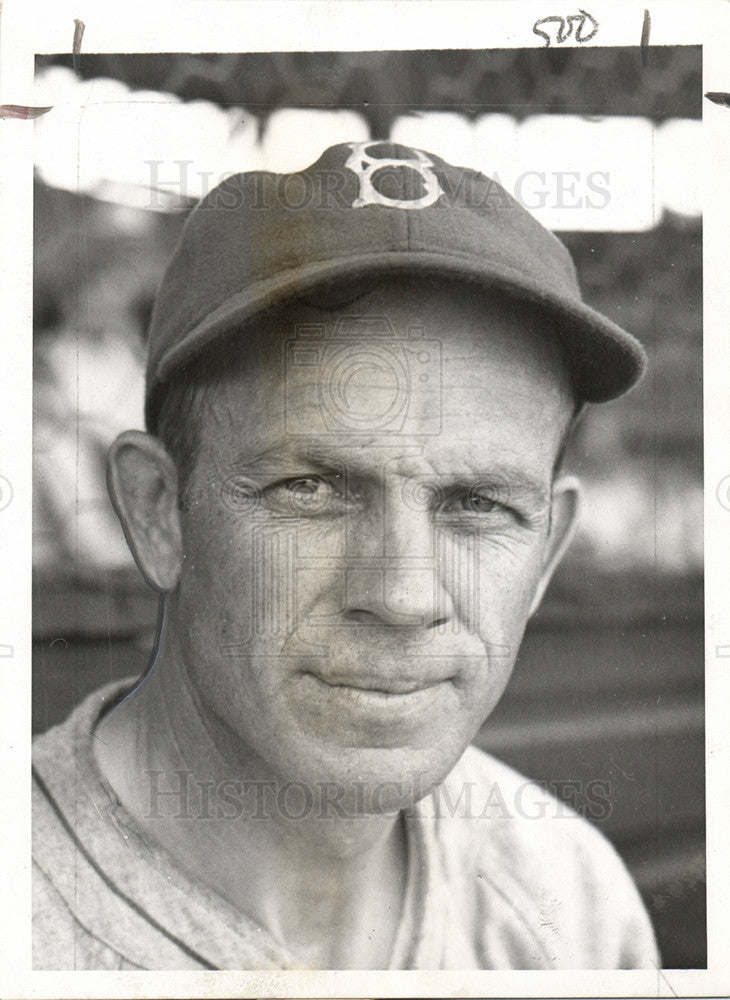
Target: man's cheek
(216, 579)
(492, 579)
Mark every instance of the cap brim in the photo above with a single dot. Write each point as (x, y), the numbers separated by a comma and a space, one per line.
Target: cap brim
(605, 360)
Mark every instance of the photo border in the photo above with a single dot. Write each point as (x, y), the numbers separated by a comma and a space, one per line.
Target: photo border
(290, 25)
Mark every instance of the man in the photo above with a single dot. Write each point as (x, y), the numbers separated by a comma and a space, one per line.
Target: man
(361, 379)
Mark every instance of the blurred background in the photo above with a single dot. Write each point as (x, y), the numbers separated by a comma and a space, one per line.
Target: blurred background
(602, 145)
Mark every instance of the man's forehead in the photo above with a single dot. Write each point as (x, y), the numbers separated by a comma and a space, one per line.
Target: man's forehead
(401, 362)
(398, 313)
(407, 407)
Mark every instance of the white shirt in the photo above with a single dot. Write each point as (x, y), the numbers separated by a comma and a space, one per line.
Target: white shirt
(500, 876)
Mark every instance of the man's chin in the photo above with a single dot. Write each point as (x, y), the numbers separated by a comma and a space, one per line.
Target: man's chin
(363, 781)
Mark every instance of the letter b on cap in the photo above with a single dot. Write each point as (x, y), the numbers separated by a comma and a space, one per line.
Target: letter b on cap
(392, 180)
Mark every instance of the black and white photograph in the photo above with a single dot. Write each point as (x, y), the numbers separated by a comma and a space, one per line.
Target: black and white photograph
(371, 472)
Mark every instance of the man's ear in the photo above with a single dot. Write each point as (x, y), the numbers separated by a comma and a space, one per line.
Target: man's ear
(564, 520)
(142, 482)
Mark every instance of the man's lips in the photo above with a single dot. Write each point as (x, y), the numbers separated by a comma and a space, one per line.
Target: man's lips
(375, 711)
(391, 686)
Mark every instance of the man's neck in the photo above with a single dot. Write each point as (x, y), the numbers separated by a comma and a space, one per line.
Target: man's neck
(327, 886)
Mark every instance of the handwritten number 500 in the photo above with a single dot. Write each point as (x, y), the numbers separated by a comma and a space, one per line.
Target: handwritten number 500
(565, 27)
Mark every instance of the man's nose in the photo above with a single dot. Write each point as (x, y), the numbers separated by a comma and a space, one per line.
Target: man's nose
(393, 576)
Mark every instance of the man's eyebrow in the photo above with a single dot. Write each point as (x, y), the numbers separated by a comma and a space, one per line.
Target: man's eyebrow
(244, 457)
(283, 450)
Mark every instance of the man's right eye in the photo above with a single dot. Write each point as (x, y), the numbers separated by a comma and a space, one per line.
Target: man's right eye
(305, 495)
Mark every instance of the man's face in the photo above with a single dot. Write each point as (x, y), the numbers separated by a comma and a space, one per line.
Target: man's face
(368, 526)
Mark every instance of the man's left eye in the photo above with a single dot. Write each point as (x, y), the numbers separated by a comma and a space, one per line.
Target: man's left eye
(473, 502)
(480, 503)
(307, 486)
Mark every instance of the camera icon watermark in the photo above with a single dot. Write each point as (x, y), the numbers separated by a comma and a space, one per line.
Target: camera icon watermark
(368, 378)
(722, 492)
(6, 492)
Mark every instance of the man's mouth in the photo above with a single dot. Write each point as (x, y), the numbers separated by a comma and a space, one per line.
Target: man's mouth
(371, 710)
(386, 687)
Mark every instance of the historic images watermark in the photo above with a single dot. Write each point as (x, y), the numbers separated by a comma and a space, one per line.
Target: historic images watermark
(181, 795)
(178, 183)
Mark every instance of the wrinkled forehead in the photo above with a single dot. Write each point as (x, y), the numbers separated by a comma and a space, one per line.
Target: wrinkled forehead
(397, 358)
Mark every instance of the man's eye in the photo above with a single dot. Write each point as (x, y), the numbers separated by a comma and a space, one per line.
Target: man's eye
(479, 503)
(303, 495)
(473, 502)
(307, 486)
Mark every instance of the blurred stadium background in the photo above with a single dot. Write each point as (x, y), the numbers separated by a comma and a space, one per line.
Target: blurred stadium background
(607, 698)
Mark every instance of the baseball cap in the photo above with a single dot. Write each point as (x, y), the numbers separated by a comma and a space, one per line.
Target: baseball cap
(367, 209)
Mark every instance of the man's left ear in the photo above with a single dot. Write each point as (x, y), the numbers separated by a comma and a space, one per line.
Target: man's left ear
(564, 520)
